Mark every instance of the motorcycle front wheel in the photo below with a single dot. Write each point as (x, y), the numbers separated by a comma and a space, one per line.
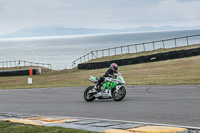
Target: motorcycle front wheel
(89, 96)
(118, 96)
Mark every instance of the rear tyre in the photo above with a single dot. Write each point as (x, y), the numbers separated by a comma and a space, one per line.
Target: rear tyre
(89, 96)
(118, 96)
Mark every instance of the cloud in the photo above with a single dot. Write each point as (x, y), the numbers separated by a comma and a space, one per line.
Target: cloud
(30, 5)
(99, 13)
(181, 1)
(109, 4)
(2, 6)
(172, 9)
(52, 5)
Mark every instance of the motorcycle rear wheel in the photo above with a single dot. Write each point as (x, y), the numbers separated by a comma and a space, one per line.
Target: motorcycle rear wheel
(89, 97)
(120, 95)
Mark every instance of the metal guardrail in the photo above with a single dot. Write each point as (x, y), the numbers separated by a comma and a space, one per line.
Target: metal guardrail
(18, 63)
(133, 48)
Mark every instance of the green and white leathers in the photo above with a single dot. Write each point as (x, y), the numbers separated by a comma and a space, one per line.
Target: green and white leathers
(110, 88)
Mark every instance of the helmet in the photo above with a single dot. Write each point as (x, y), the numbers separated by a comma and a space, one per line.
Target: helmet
(114, 67)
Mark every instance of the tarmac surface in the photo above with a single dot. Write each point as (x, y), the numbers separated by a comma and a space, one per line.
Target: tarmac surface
(176, 105)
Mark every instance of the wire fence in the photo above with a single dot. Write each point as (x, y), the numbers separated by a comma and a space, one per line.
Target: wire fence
(20, 63)
(135, 48)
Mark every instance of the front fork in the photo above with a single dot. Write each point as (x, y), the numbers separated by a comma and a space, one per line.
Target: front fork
(109, 92)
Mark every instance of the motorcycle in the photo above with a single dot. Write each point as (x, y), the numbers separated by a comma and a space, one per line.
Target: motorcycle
(110, 88)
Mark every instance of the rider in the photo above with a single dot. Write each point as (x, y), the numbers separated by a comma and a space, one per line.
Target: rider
(109, 73)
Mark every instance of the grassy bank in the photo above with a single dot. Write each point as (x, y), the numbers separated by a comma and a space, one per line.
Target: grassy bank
(170, 72)
(7, 127)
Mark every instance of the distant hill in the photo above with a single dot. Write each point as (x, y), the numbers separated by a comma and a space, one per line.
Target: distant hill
(58, 31)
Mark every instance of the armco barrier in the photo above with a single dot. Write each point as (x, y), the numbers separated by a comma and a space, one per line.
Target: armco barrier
(196, 51)
(180, 54)
(20, 72)
(172, 55)
(142, 59)
(165, 56)
(188, 53)
(148, 58)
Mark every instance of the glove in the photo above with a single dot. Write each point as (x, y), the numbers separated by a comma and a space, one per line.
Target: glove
(102, 78)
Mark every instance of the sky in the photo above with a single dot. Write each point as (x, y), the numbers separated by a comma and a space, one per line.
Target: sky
(115, 14)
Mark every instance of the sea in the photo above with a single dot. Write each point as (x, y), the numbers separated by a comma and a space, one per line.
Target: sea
(61, 51)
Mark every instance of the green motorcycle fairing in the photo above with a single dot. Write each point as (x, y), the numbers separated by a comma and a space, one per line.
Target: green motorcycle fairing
(109, 85)
(95, 78)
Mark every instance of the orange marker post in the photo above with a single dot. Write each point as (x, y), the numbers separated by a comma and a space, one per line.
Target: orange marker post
(31, 72)
(30, 79)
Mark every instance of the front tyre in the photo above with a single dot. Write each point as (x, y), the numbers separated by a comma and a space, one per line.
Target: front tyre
(118, 96)
(89, 96)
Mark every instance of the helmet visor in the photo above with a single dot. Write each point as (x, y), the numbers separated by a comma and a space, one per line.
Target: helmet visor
(115, 68)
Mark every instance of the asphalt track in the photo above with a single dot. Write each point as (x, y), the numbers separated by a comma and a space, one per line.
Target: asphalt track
(176, 105)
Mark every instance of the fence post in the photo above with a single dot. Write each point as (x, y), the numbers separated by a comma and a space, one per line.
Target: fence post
(163, 44)
(92, 54)
(88, 56)
(128, 49)
(144, 46)
(97, 53)
(153, 46)
(121, 50)
(3, 64)
(19, 63)
(187, 40)
(73, 64)
(136, 48)
(175, 42)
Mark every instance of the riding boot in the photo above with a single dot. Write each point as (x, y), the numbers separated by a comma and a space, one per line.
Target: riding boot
(98, 86)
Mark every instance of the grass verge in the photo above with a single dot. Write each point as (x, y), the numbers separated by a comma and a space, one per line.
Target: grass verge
(170, 72)
(8, 127)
